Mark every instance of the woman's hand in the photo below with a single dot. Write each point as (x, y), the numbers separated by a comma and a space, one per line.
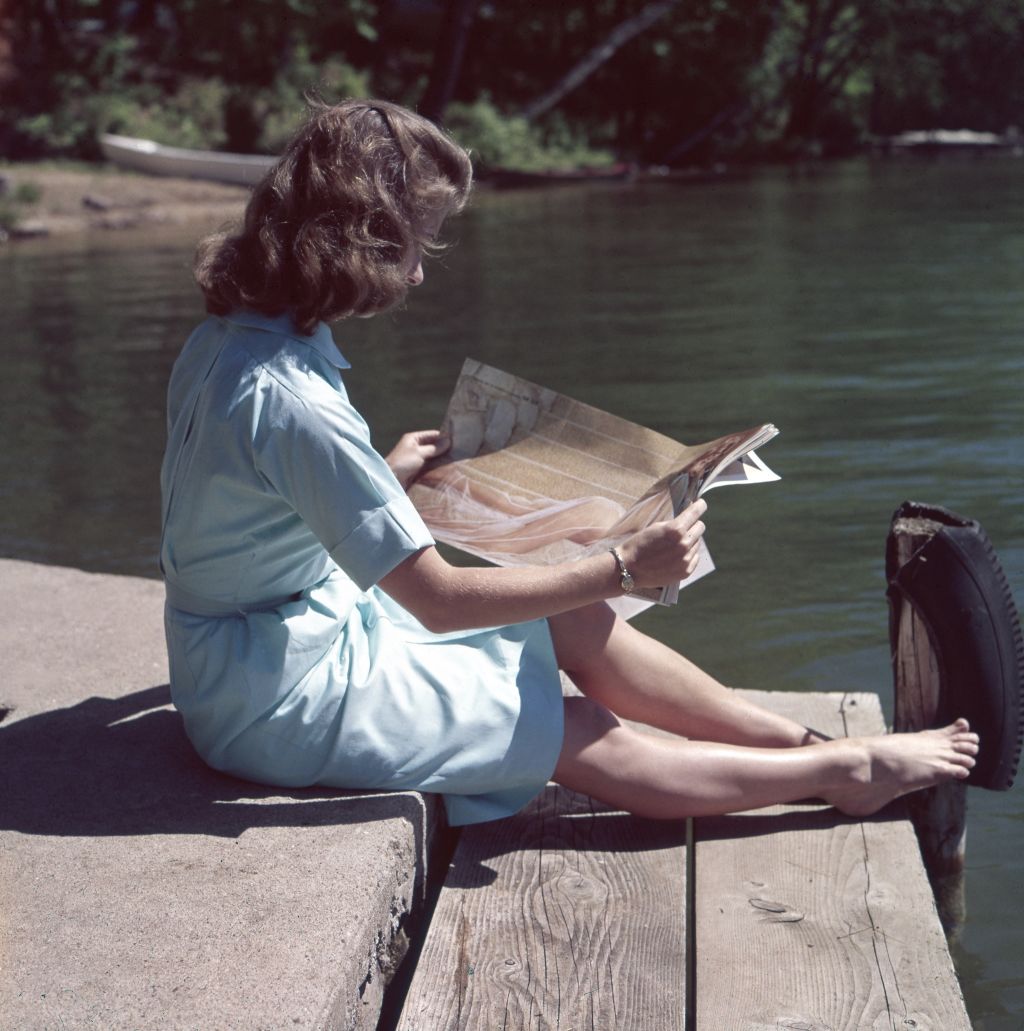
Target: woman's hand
(444, 597)
(666, 552)
(412, 452)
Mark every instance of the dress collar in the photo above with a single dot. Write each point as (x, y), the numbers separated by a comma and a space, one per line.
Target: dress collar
(320, 339)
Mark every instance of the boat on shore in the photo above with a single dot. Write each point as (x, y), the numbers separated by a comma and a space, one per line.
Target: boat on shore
(140, 155)
(934, 141)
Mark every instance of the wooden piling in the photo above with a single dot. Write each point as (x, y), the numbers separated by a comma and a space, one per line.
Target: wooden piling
(939, 814)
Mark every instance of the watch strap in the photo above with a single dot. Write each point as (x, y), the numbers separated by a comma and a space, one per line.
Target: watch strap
(626, 581)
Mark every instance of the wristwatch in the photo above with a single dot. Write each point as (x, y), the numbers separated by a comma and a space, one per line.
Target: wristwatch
(626, 581)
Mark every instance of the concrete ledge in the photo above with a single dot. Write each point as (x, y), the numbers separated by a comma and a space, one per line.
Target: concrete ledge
(140, 889)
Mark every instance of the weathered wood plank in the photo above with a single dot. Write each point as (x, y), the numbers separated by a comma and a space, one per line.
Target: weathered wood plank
(939, 815)
(806, 919)
(566, 916)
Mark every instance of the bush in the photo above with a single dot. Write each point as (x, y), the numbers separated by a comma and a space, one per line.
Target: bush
(201, 114)
(28, 193)
(25, 194)
(510, 141)
(284, 104)
(191, 117)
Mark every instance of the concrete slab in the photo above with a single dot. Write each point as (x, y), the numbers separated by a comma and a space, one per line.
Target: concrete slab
(139, 889)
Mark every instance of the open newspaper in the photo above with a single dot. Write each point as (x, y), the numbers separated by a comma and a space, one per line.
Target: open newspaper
(536, 478)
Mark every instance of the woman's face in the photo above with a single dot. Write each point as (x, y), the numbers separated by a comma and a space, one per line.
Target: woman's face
(414, 266)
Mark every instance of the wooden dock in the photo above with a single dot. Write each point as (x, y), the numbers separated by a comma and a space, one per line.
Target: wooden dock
(570, 917)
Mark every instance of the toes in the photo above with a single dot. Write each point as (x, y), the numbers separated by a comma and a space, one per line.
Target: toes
(960, 731)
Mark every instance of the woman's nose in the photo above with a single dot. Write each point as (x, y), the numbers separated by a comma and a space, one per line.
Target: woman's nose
(416, 276)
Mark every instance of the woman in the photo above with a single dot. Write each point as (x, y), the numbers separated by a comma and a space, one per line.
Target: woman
(315, 634)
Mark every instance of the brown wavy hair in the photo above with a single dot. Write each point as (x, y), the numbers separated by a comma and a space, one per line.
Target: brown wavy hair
(334, 227)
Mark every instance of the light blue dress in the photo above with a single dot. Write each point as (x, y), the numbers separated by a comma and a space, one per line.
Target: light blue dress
(287, 664)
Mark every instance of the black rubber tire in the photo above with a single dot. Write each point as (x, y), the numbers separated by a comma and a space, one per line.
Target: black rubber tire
(955, 583)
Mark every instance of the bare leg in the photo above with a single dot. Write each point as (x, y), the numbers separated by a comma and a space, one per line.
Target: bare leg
(670, 778)
(641, 679)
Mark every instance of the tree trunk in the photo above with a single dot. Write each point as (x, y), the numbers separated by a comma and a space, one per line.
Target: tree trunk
(739, 108)
(597, 56)
(451, 48)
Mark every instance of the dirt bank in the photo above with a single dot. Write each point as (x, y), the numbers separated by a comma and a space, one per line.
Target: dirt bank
(51, 199)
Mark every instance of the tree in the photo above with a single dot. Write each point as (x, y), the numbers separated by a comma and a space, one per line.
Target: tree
(451, 47)
(597, 56)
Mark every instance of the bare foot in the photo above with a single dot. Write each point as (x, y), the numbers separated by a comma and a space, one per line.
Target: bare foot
(896, 764)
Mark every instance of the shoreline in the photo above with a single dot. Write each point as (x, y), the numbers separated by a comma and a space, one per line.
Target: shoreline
(47, 199)
(54, 198)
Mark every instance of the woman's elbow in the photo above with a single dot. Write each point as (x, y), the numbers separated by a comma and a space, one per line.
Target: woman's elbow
(436, 613)
(422, 586)
(439, 618)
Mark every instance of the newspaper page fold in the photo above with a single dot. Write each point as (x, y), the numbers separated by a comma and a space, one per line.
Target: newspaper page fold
(536, 478)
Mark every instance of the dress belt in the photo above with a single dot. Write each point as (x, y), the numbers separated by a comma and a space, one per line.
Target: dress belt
(194, 604)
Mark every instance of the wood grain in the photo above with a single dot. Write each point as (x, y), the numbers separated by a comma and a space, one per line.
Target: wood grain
(805, 919)
(939, 815)
(567, 916)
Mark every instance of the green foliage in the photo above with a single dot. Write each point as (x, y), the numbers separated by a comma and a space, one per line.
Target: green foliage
(195, 114)
(28, 193)
(283, 105)
(949, 65)
(190, 117)
(510, 141)
(711, 78)
(12, 206)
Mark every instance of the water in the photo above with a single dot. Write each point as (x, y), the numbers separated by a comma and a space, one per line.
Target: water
(873, 310)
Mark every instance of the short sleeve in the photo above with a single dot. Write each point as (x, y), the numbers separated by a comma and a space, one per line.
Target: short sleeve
(314, 450)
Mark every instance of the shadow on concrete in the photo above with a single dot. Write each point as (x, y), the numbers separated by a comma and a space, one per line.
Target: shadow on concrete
(123, 766)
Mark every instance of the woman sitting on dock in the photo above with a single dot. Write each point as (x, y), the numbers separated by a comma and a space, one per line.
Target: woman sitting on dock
(315, 634)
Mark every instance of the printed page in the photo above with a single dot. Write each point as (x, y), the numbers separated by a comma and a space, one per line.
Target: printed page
(536, 478)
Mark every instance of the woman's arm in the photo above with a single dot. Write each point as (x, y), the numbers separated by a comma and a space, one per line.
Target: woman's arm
(445, 597)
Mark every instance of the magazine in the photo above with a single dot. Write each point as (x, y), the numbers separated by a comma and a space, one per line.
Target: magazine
(535, 478)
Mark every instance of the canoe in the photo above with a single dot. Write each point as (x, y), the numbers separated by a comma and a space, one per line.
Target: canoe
(156, 159)
(932, 140)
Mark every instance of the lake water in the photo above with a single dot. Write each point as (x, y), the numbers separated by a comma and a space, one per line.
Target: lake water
(873, 310)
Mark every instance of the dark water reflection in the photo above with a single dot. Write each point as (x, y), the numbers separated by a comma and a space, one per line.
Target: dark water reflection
(90, 333)
(874, 311)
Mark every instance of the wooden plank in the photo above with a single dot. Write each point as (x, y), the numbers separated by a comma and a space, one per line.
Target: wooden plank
(806, 919)
(939, 815)
(565, 916)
